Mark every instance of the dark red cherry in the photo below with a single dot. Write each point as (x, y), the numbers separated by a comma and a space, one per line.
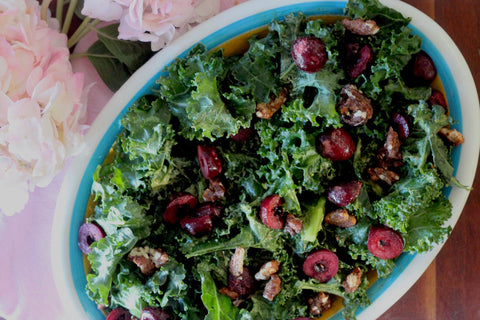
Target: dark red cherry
(119, 314)
(309, 54)
(437, 99)
(243, 134)
(271, 212)
(243, 284)
(179, 207)
(364, 58)
(336, 145)
(88, 234)
(197, 225)
(321, 265)
(210, 163)
(420, 71)
(153, 313)
(209, 209)
(344, 193)
(403, 128)
(384, 242)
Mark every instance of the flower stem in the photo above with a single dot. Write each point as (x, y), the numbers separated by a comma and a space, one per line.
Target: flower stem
(44, 9)
(68, 18)
(59, 11)
(82, 30)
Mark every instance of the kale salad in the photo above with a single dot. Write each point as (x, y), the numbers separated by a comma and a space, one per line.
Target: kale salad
(272, 184)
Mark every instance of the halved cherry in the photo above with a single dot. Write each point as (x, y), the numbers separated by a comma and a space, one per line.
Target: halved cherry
(384, 242)
(179, 207)
(209, 209)
(402, 126)
(197, 225)
(243, 284)
(119, 314)
(336, 144)
(420, 70)
(344, 193)
(210, 163)
(88, 234)
(437, 98)
(271, 212)
(243, 134)
(321, 265)
(154, 313)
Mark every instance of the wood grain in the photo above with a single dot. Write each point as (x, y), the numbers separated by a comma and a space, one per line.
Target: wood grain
(450, 288)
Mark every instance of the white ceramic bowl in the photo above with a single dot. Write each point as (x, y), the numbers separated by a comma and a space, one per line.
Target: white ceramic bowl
(72, 201)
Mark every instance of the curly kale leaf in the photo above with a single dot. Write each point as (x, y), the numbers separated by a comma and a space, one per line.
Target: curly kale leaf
(104, 259)
(196, 98)
(427, 226)
(293, 162)
(411, 194)
(428, 123)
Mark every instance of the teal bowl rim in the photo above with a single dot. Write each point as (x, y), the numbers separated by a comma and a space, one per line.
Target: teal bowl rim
(212, 41)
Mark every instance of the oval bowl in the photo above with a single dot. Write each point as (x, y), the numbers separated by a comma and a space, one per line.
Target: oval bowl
(72, 201)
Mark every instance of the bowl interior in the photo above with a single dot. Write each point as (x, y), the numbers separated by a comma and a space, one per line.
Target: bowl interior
(211, 41)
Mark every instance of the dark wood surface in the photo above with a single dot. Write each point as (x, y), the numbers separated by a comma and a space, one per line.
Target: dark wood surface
(450, 288)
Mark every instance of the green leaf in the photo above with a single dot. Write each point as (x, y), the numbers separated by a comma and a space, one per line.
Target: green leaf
(133, 54)
(111, 71)
(104, 258)
(219, 306)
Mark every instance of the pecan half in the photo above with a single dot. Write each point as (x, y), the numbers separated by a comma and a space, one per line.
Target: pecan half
(353, 280)
(147, 259)
(340, 218)
(452, 135)
(229, 293)
(319, 303)
(236, 262)
(293, 225)
(273, 287)
(215, 191)
(382, 174)
(360, 26)
(265, 110)
(267, 270)
(356, 109)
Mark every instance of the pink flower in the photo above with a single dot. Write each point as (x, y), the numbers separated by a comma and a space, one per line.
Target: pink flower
(155, 21)
(41, 103)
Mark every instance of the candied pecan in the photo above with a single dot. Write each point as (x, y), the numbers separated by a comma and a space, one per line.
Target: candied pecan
(229, 293)
(382, 174)
(267, 270)
(147, 259)
(340, 218)
(360, 26)
(390, 154)
(319, 303)
(265, 110)
(356, 109)
(215, 191)
(293, 225)
(236, 262)
(452, 135)
(353, 280)
(273, 287)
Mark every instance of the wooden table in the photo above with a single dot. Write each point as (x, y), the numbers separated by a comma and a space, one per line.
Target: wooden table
(450, 288)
